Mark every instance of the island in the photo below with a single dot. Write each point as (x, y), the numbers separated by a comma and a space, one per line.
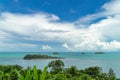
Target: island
(39, 56)
(82, 52)
(99, 53)
(55, 53)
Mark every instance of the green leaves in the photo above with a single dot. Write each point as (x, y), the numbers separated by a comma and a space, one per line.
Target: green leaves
(43, 75)
(33, 76)
(85, 77)
(21, 77)
(1, 75)
(28, 75)
(35, 73)
(7, 76)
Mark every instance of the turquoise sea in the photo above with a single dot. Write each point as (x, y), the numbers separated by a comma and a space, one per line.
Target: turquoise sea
(105, 61)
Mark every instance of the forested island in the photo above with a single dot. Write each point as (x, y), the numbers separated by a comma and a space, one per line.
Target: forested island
(56, 53)
(99, 53)
(39, 56)
(56, 71)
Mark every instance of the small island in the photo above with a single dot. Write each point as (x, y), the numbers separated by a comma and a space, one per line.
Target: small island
(82, 52)
(99, 53)
(39, 56)
(55, 53)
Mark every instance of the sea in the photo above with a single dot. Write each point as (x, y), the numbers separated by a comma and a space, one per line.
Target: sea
(81, 61)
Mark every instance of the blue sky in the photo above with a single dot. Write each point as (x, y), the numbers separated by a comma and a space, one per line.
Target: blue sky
(59, 25)
(67, 10)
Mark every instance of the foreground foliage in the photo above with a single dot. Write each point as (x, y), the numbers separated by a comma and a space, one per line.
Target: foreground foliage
(54, 71)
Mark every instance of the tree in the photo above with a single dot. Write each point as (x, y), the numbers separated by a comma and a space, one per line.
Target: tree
(56, 66)
(93, 71)
(85, 77)
(59, 77)
(111, 74)
(73, 70)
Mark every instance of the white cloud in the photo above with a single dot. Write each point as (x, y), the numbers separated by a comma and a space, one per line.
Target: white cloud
(103, 35)
(112, 7)
(46, 47)
(65, 46)
(98, 46)
(17, 47)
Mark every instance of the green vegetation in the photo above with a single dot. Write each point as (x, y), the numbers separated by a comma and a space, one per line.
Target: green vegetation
(99, 53)
(39, 56)
(56, 72)
(55, 53)
(82, 52)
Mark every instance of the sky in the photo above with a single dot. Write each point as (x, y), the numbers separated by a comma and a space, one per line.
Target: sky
(59, 25)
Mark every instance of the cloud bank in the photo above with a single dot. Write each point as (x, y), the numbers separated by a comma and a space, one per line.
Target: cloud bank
(44, 31)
